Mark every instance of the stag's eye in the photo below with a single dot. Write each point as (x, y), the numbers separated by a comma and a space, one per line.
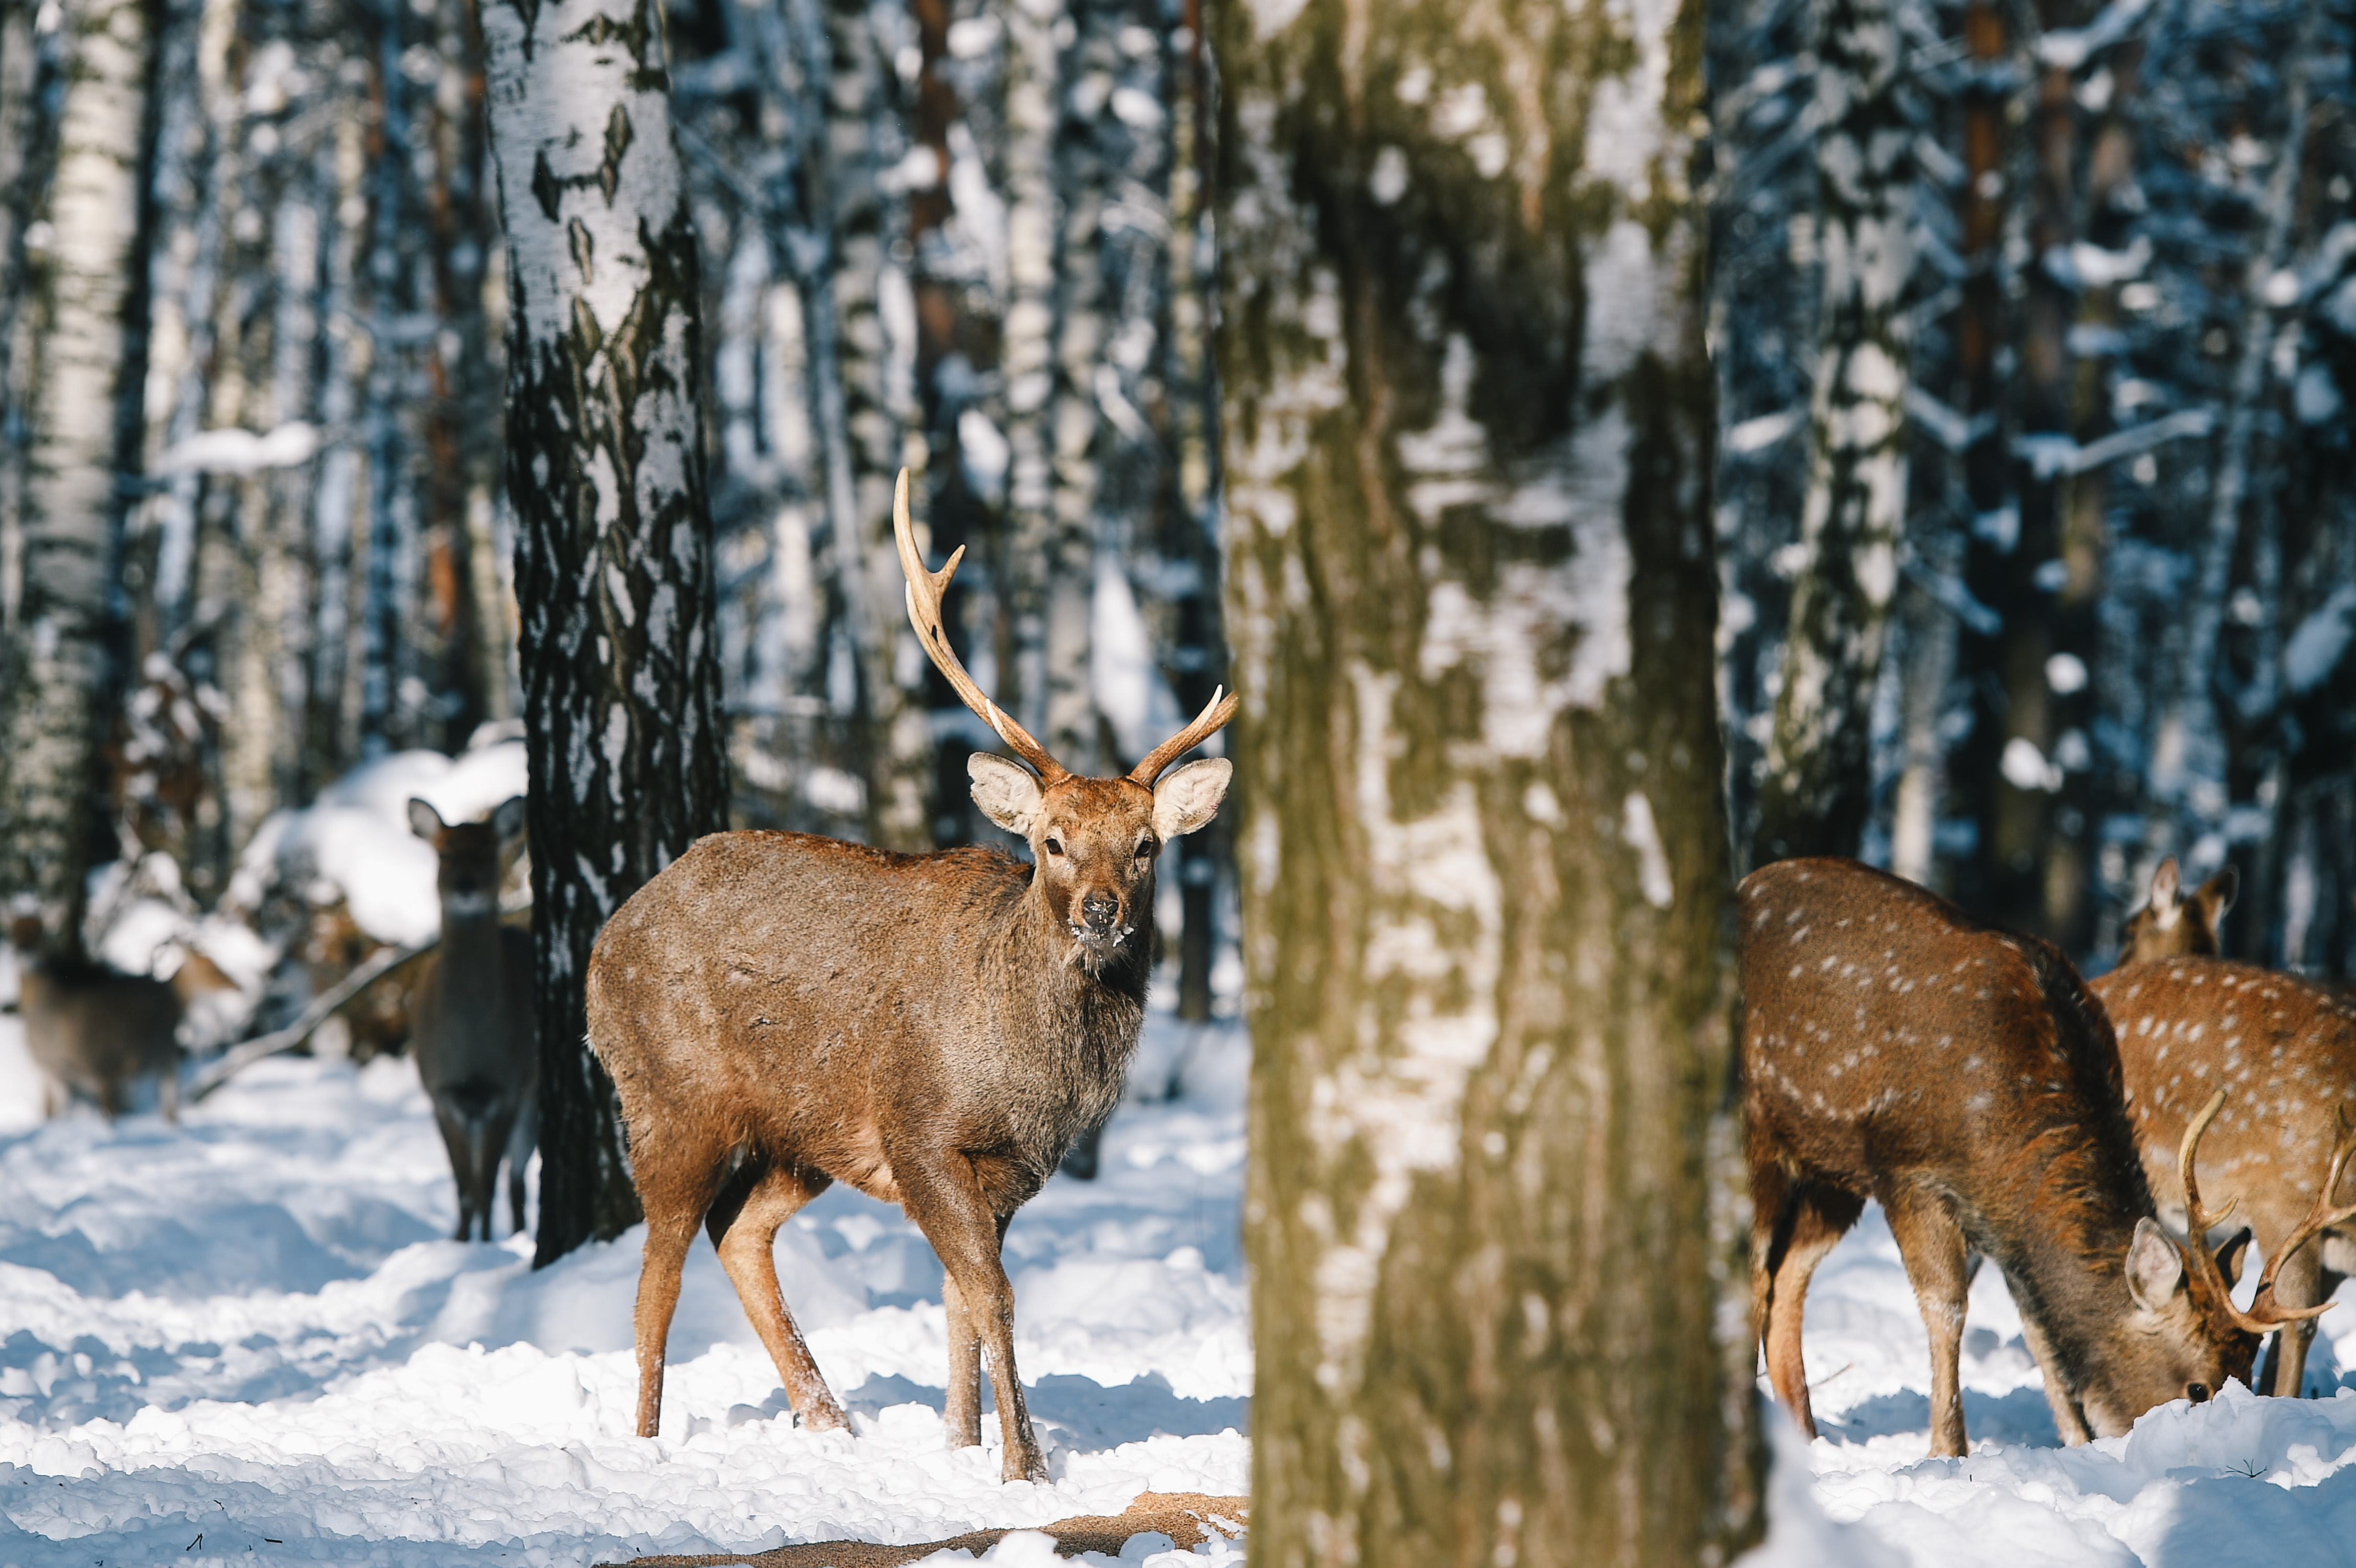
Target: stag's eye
(1054, 846)
(2197, 1392)
(1145, 850)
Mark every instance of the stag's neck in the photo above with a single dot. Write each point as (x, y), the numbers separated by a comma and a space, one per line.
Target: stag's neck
(2064, 1253)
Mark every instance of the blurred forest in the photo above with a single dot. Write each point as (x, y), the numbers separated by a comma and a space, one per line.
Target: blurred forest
(2041, 318)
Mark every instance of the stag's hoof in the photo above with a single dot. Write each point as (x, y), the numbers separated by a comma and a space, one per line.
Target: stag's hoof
(823, 1416)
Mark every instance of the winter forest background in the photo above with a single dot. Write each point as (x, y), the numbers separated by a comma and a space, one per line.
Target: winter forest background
(2116, 290)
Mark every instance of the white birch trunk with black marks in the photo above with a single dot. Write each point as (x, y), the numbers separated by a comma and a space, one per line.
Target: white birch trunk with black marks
(1814, 795)
(613, 562)
(1497, 1299)
(79, 381)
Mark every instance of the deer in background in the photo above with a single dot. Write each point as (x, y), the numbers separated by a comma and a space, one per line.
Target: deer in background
(1966, 1080)
(2190, 1023)
(780, 1012)
(472, 1026)
(94, 1031)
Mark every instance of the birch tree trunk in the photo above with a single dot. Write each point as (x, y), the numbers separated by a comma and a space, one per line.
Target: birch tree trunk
(81, 389)
(606, 473)
(1495, 1294)
(1816, 793)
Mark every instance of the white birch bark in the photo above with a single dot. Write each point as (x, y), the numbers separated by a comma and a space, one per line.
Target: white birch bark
(1026, 354)
(606, 476)
(83, 242)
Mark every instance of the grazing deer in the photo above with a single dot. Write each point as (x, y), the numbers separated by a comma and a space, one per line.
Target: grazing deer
(94, 1031)
(780, 1012)
(2190, 1022)
(473, 1029)
(1963, 1078)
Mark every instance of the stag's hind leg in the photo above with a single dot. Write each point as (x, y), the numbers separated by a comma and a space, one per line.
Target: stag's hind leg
(1933, 1246)
(1795, 1223)
(744, 1226)
(674, 1206)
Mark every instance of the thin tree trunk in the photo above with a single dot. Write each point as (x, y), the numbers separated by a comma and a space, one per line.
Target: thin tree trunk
(81, 397)
(1814, 797)
(613, 562)
(1496, 1296)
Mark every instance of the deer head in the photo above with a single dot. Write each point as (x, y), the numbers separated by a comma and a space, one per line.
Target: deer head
(2170, 923)
(1095, 841)
(468, 879)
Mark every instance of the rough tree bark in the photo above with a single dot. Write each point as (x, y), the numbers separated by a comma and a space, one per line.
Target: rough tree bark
(1496, 1303)
(81, 387)
(1816, 795)
(606, 474)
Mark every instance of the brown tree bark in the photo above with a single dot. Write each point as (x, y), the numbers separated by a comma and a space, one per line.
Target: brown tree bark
(1495, 1296)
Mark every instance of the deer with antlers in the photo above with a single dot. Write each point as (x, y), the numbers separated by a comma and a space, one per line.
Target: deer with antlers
(1963, 1078)
(2192, 1025)
(780, 1012)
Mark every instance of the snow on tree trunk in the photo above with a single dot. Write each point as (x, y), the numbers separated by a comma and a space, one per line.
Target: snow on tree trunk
(612, 562)
(1498, 1304)
(1814, 795)
(2190, 763)
(81, 385)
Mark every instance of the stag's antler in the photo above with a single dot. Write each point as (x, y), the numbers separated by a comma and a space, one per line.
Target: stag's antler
(1214, 714)
(925, 613)
(2265, 1314)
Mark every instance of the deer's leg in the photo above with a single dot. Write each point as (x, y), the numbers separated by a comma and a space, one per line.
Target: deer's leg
(670, 1228)
(2298, 1283)
(943, 1195)
(1791, 1237)
(962, 1416)
(2069, 1420)
(522, 1141)
(462, 1169)
(744, 1226)
(1933, 1246)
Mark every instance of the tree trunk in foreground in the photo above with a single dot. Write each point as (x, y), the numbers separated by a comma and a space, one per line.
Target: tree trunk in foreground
(1497, 1296)
(1816, 793)
(620, 663)
(82, 375)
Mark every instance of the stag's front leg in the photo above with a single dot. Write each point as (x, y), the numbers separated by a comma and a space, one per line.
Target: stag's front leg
(944, 1197)
(1931, 1244)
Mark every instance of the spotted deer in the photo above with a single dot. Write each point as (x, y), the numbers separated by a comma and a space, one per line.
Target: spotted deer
(472, 1026)
(779, 1012)
(94, 1031)
(2282, 1050)
(1965, 1078)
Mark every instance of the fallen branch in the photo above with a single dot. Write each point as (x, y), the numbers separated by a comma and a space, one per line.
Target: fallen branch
(382, 962)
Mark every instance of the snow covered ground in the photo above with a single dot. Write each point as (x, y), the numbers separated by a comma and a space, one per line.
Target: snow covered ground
(245, 1337)
(249, 1329)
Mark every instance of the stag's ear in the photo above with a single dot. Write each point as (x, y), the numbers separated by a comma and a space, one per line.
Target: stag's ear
(1188, 798)
(424, 820)
(1006, 792)
(2216, 895)
(2155, 1267)
(507, 820)
(2167, 893)
(2230, 1255)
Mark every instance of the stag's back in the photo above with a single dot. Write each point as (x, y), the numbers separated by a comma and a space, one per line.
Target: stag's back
(1889, 1037)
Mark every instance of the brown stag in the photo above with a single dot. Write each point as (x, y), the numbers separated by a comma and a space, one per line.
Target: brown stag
(1963, 1078)
(2190, 1023)
(780, 1012)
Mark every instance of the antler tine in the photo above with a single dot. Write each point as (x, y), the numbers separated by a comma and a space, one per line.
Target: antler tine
(2198, 1221)
(2321, 1217)
(1208, 723)
(925, 590)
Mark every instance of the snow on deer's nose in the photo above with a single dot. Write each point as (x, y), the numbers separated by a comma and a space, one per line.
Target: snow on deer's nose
(1099, 911)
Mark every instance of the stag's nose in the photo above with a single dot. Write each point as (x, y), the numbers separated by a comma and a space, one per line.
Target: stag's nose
(1099, 911)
